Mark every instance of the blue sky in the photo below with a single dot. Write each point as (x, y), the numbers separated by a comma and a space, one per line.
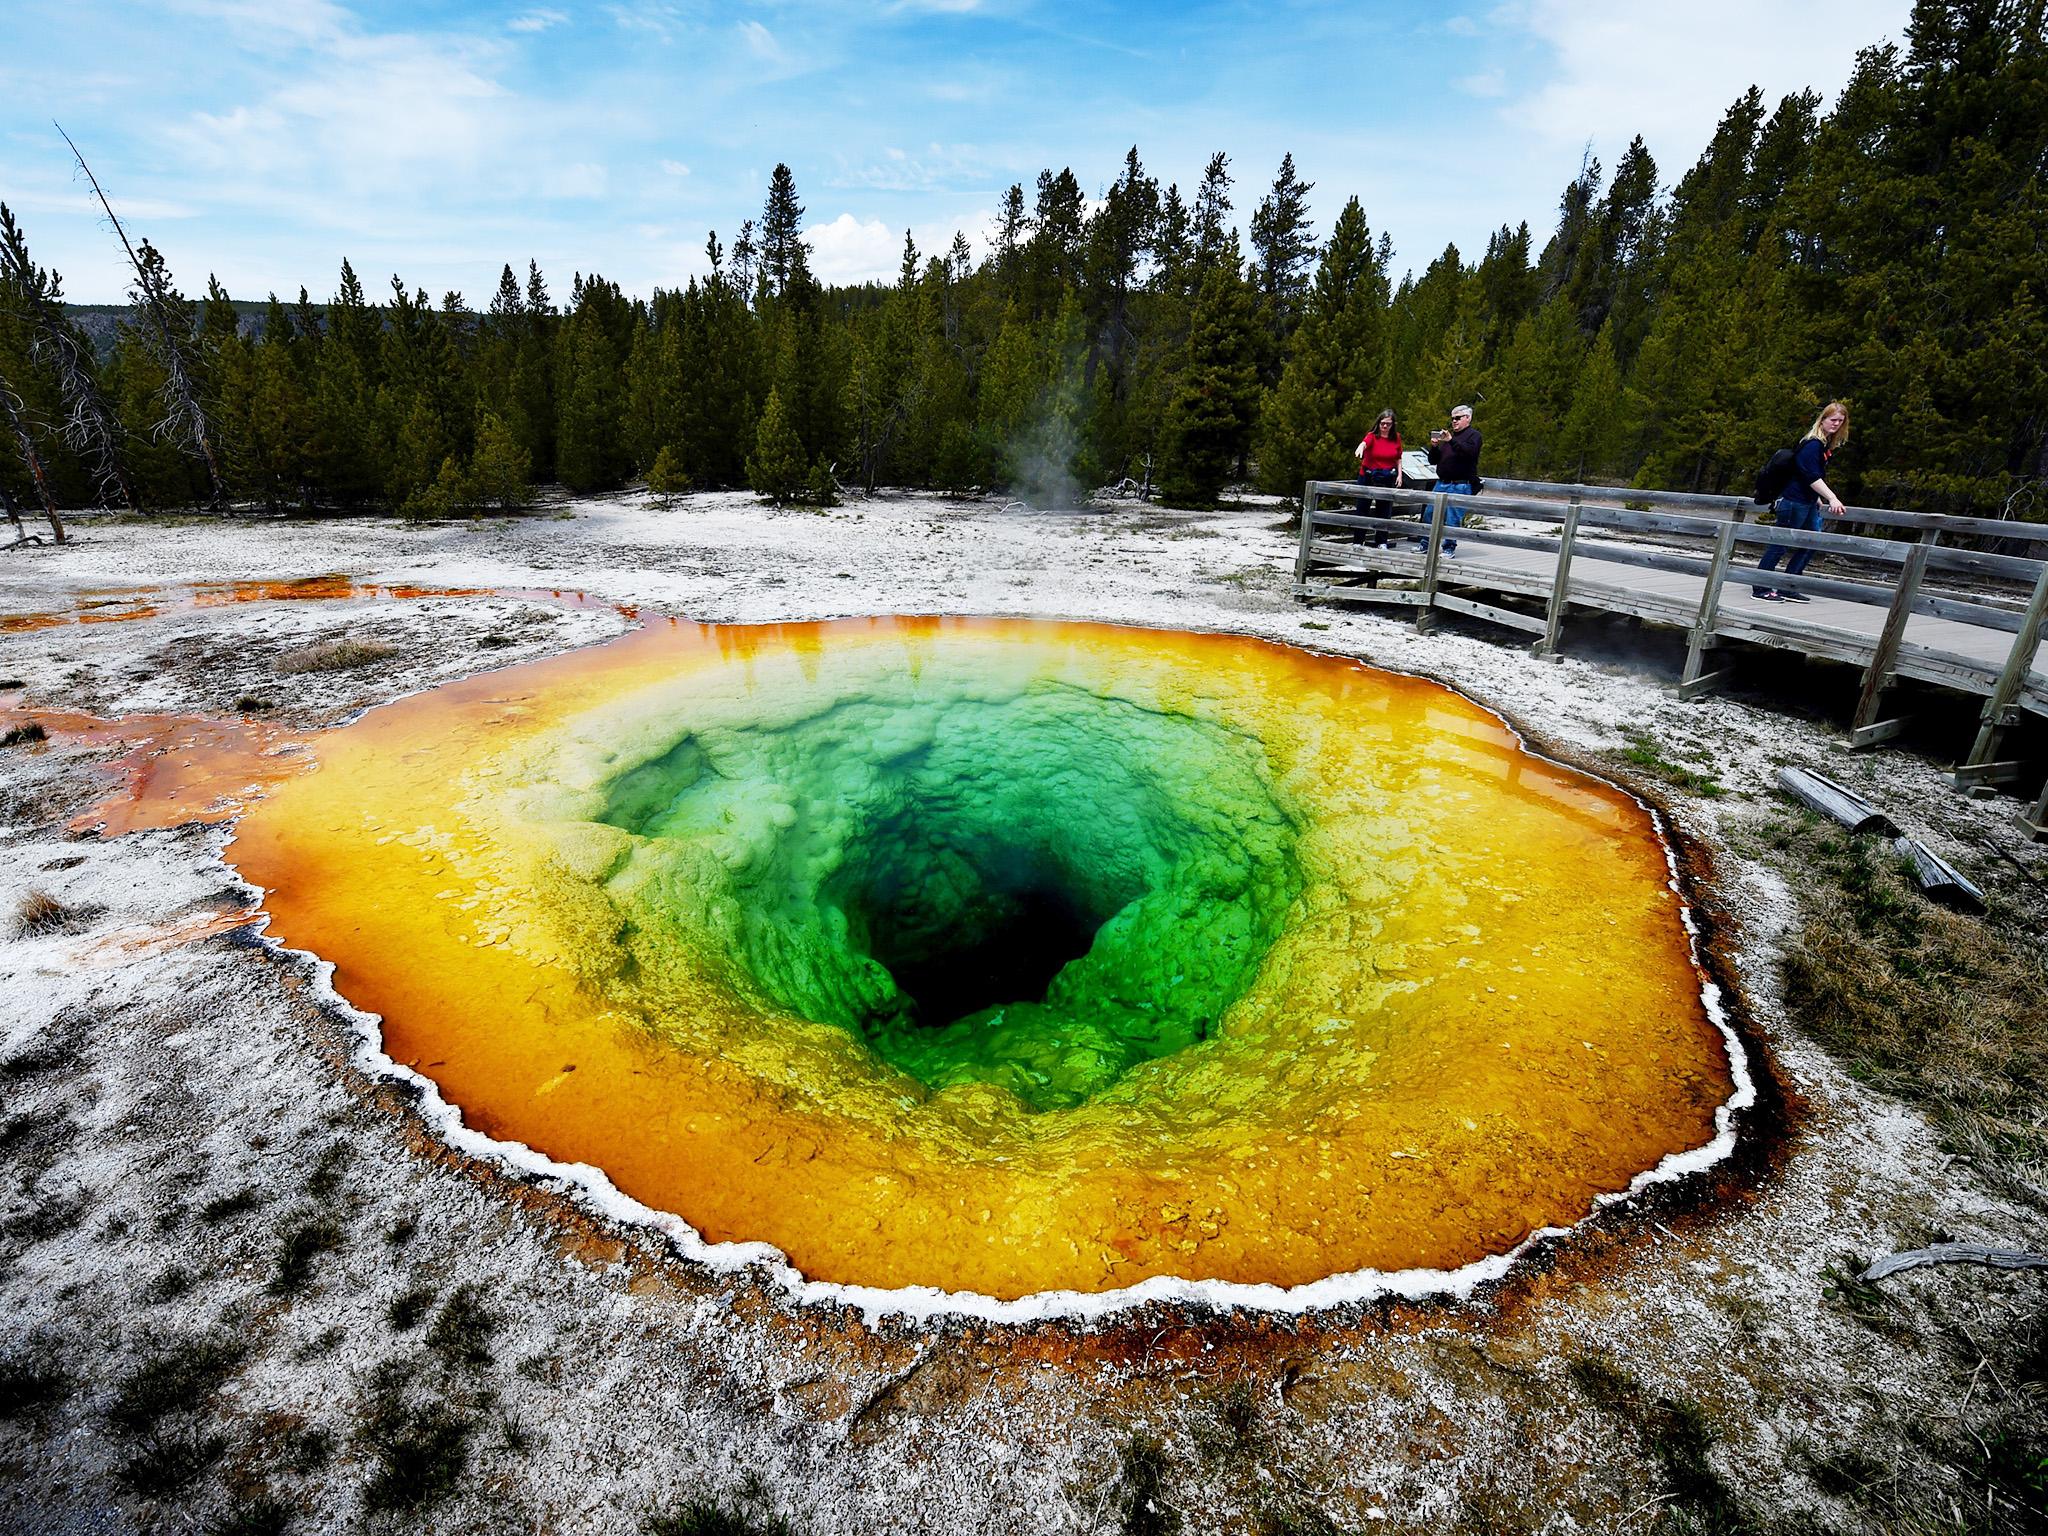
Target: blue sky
(264, 140)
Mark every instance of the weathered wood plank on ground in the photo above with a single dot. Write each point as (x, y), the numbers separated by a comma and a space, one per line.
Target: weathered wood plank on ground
(1956, 1253)
(1819, 793)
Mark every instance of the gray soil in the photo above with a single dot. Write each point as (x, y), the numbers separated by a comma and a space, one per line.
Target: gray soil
(241, 1282)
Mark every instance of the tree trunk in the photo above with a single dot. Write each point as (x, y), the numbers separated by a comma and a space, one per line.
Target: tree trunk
(17, 421)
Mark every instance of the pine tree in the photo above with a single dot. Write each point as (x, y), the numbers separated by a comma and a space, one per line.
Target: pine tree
(776, 469)
(499, 469)
(1209, 423)
(1284, 248)
(783, 251)
(1590, 442)
(1335, 366)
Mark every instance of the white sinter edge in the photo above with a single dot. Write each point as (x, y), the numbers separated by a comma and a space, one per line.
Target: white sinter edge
(592, 1187)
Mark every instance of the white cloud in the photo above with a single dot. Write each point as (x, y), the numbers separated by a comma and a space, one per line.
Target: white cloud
(1487, 83)
(1462, 26)
(1619, 67)
(853, 250)
(583, 179)
(537, 20)
(762, 42)
(674, 168)
(661, 20)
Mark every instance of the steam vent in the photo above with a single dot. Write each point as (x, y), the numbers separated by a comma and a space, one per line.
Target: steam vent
(1011, 957)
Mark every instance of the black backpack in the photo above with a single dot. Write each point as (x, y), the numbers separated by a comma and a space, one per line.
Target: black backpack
(1776, 474)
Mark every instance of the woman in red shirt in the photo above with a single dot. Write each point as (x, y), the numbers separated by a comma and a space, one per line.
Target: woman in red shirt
(1379, 463)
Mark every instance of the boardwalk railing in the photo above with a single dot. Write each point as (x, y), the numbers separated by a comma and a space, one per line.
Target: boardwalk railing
(1889, 606)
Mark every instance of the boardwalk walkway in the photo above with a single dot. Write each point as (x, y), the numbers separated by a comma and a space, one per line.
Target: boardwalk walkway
(1921, 606)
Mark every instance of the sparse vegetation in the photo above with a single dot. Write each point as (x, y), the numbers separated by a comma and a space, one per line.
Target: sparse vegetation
(420, 1450)
(31, 1381)
(337, 655)
(261, 1515)
(23, 735)
(708, 1517)
(227, 1207)
(1946, 1011)
(1141, 1485)
(1678, 1437)
(302, 1243)
(325, 1178)
(461, 1335)
(35, 1059)
(39, 913)
(252, 704)
(409, 1306)
(170, 1461)
(174, 1282)
(179, 1375)
(1645, 752)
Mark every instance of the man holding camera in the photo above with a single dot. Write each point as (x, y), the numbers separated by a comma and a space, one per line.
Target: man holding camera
(1456, 456)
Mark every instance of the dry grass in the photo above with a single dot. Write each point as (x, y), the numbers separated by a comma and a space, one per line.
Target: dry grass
(1949, 1013)
(336, 655)
(24, 735)
(1946, 1011)
(39, 913)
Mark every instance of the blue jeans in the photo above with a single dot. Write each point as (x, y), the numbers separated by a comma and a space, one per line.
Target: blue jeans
(1800, 515)
(1454, 515)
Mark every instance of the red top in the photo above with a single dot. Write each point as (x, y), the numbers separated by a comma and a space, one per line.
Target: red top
(1380, 452)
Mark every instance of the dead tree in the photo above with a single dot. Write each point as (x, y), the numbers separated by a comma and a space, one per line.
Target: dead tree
(184, 418)
(16, 412)
(21, 534)
(89, 428)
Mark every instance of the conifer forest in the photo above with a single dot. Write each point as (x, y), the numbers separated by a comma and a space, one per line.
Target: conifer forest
(1669, 331)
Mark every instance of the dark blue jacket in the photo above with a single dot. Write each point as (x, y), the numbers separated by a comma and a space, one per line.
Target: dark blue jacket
(1809, 463)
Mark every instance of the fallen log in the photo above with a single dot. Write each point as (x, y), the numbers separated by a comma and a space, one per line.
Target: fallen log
(1956, 1253)
(1938, 879)
(1820, 793)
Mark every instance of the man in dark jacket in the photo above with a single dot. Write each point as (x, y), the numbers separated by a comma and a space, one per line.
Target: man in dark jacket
(1456, 456)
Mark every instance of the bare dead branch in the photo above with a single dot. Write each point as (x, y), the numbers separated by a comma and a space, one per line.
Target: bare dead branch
(89, 427)
(185, 415)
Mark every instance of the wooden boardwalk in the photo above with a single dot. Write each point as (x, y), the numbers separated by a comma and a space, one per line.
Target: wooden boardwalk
(1891, 606)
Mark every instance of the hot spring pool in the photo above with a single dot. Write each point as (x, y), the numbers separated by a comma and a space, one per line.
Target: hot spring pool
(1011, 957)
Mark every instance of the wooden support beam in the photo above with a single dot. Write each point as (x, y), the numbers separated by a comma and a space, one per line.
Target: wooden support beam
(1971, 775)
(1878, 675)
(1511, 618)
(1395, 596)
(1998, 711)
(1862, 736)
(1304, 552)
(2036, 820)
(1432, 557)
(1692, 682)
(1560, 585)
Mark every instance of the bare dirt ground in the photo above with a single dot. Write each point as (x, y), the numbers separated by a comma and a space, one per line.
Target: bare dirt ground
(243, 1289)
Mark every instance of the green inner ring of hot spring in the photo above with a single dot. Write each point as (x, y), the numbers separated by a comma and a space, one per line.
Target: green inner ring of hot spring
(1039, 891)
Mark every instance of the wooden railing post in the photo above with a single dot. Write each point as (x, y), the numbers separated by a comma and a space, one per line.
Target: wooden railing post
(1865, 729)
(1560, 584)
(1695, 680)
(1999, 712)
(1302, 555)
(2036, 820)
(1432, 557)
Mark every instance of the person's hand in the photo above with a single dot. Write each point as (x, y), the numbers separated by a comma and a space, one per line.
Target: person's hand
(1835, 508)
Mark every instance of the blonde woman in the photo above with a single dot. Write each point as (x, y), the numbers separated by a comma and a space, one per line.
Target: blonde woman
(1807, 494)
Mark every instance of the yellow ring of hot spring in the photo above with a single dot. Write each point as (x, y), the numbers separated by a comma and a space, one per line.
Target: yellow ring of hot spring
(1482, 1014)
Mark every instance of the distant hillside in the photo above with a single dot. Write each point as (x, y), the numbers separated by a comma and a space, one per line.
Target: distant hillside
(102, 322)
